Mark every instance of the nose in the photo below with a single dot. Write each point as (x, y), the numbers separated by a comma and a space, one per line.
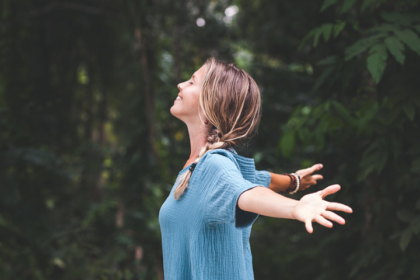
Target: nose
(179, 86)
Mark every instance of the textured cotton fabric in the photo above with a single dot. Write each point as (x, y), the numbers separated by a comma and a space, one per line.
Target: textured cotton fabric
(205, 235)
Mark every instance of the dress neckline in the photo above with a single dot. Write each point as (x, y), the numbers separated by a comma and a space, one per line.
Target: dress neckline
(231, 150)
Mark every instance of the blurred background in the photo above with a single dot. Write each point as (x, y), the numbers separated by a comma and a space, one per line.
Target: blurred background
(89, 150)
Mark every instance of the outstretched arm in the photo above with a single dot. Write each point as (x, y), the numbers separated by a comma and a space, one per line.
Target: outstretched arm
(311, 207)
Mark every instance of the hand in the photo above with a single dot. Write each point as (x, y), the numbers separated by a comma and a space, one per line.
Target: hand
(312, 207)
(306, 177)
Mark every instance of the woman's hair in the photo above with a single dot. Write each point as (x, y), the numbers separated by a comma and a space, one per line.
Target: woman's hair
(231, 102)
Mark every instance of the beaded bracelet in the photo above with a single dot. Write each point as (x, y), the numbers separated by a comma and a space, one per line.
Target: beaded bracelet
(294, 182)
(297, 183)
(292, 185)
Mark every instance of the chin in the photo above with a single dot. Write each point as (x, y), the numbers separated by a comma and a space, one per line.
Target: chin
(174, 112)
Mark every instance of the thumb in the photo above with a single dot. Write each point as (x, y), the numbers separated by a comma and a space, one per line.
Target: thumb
(330, 190)
(308, 225)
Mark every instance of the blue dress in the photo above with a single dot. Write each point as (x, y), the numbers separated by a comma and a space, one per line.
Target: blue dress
(205, 235)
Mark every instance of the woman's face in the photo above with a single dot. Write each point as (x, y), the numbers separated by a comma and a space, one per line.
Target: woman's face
(186, 105)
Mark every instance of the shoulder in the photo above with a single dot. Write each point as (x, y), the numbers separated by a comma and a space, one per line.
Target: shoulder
(219, 160)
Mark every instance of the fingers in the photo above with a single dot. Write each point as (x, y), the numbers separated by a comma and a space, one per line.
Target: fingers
(308, 225)
(324, 222)
(339, 207)
(310, 170)
(330, 190)
(317, 177)
(333, 217)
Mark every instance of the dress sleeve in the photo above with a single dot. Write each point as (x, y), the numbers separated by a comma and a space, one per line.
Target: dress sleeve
(224, 191)
(262, 178)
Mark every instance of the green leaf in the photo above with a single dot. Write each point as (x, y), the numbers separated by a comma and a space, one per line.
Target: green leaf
(415, 225)
(287, 143)
(325, 74)
(384, 29)
(409, 110)
(347, 5)
(360, 46)
(405, 239)
(365, 4)
(381, 159)
(405, 18)
(257, 157)
(328, 60)
(338, 28)
(395, 47)
(344, 113)
(417, 27)
(326, 4)
(326, 30)
(410, 38)
(415, 166)
(317, 34)
(376, 61)
(306, 38)
(405, 216)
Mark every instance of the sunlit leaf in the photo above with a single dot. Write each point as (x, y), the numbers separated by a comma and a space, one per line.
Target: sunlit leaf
(317, 34)
(326, 31)
(338, 28)
(396, 48)
(376, 61)
(360, 46)
(410, 38)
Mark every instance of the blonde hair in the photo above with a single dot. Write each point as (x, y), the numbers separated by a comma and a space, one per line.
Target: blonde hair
(231, 102)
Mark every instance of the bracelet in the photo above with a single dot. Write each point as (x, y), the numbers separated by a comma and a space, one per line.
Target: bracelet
(293, 182)
(297, 183)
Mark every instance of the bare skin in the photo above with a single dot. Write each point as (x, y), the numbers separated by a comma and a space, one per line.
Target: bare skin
(264, 201)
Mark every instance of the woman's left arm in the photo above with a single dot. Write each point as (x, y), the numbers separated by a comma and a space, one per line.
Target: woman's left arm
(280, 183)
(310, 208)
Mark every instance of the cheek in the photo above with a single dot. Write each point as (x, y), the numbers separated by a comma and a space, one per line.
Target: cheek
(190, 101)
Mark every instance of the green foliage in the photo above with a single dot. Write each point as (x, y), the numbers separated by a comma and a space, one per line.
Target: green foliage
(376, 61)
(87, 161)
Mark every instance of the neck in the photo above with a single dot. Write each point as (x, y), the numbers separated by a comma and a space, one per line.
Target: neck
(198, 133)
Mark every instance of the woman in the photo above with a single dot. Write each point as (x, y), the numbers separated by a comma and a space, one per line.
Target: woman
(206, 220)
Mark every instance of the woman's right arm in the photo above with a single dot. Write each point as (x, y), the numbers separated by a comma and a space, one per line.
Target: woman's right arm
(310, 208)
(280, 183)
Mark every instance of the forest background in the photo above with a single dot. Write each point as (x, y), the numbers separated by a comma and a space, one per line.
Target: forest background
(89, 150)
